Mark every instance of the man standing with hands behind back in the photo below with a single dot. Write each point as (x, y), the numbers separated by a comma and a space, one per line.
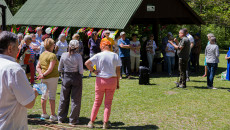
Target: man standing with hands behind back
(183, 48)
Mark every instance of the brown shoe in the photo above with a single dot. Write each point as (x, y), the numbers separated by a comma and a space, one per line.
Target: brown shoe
(90, 125)
(106, 125)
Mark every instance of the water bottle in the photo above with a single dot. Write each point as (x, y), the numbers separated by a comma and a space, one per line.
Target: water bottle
(41, 88)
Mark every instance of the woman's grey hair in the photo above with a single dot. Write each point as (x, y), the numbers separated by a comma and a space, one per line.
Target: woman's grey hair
(7, 38)
(27, 37)
(20, 35)
(210, 35)
(60, 36)
(39, 28)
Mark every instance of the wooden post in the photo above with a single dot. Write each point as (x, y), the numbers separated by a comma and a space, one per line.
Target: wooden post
(156, 32)
(3, 17)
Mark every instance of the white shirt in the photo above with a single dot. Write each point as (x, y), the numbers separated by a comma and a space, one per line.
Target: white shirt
(190, 37)
(106, 62)
(170, 48)
(62, 47)
(15, 93)
(36, 44)
(135, 53)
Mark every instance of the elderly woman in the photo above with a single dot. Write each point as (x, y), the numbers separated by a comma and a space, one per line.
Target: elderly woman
(26, 58)
(212, 59)
(61, 46)
(20, 38)
(80, 49)
(107, 81)
(150, 48)
(210, 35)
(72, 66)
(94, 45)
(107, 38)
(35, 45)
(135, 53)
(47, 68)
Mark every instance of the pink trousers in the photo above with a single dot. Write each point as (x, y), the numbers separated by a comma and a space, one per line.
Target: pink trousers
(103, 87)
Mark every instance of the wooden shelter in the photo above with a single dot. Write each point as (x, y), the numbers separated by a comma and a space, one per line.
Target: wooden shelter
(112, 14)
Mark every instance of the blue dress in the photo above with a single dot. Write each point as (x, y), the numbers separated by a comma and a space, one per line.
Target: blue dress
(228, 66)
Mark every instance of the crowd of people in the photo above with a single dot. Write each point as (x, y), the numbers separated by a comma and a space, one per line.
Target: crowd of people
(108, 60)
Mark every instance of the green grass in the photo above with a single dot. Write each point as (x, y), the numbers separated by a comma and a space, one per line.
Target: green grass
(158, 106)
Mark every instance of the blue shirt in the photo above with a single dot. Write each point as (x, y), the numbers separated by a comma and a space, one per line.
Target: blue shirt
(124, 52)
(38, 38)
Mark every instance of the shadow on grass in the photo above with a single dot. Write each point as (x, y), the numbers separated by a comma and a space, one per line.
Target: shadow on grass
(204, 87)
(34, 119)
(146, 127)
(120, 125)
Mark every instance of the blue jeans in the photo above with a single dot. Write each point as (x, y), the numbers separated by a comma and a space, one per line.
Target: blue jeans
(171, 64)
(150, 60)
(212, 67)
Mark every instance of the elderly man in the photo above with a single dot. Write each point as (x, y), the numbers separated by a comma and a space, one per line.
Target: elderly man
(39, 34)
(16, 95)
(183, 53)
(124, 54)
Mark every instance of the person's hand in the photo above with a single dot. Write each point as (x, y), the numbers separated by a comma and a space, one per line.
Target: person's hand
(40, 76)
(96, 72)
(175, 40)
(35, 92)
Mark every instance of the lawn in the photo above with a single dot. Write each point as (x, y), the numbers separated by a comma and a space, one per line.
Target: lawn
(156, 106)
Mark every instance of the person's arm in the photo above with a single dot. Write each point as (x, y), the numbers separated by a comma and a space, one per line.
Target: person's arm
(205, 53)
(191, 45)
(118, 69)
(122, 45)
(80, 65)
(61, 65)
(217, 52)
(31, 104)
(176, 41)
(226, 57)
(89, 66)
(89, 43)
(22, 90)
(176, 46)
(56, 48)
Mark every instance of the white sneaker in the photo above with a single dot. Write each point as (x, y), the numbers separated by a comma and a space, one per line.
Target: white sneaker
(45, 116)
(53, 118)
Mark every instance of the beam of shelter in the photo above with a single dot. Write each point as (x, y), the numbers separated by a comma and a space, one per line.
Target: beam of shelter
(77, 13)
(8, 13)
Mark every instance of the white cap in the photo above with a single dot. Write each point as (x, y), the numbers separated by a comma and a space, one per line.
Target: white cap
(122, 33)
(169, 33)
(74, 44)
(106, 31)
(48, 30)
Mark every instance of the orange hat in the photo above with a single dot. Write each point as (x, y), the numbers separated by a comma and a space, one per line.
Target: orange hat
(105, 43)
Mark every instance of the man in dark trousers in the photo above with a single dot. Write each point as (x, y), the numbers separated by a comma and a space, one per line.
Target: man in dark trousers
(183, 50)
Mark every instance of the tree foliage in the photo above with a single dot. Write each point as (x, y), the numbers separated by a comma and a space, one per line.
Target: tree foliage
(212, 11)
